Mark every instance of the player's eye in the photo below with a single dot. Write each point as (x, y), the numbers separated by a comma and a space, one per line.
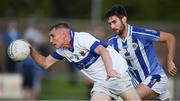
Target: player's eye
(52, 35)
(113, 21)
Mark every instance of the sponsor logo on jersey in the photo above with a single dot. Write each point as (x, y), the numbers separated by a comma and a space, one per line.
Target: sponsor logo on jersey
(83, 53)
(134, 45)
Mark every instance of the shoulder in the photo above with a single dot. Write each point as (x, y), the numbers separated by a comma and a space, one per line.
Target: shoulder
(138, 29)
(81, 33)
(145, 34)
(84, 36)
(144, 31)
(60, 50)
(58, 53)
(113, 38)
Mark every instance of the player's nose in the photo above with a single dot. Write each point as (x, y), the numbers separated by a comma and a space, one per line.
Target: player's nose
(112, 26)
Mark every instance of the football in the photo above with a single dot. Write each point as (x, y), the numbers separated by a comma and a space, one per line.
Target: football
(18, 50)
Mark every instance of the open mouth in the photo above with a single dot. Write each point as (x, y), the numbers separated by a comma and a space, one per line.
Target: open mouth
(114, 30)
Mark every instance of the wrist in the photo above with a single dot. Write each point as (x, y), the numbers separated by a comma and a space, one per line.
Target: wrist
(109, 71)
(31, 50)
(169, 61)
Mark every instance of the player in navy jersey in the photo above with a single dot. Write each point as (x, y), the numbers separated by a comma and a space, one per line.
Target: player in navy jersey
(136, 46)
(96, 60)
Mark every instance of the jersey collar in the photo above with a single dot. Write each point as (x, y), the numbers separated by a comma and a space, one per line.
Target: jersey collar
(128, 33)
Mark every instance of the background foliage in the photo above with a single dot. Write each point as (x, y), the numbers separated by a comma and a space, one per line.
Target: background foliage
(81, 9)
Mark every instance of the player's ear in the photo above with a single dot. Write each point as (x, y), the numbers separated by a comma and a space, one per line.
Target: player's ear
(67, 36)
(124, 19)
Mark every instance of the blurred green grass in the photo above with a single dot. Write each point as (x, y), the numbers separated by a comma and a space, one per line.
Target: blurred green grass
(58, 88)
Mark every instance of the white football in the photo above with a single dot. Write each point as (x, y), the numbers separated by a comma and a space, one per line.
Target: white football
(18, 50)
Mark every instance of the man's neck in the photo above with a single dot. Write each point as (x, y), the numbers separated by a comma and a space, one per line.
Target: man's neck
(125, 33)
(67, 43)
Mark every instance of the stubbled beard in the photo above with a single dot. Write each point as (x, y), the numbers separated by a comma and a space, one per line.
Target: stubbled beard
(122, 30)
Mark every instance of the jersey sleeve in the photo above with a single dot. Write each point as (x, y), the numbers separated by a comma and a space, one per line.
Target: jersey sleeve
(113, 42)
(147, 34)
(110, 42)
(56, 55)
(89, 42)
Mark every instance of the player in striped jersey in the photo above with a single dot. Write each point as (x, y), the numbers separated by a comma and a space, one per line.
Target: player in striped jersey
(96, 60)
(136, 46)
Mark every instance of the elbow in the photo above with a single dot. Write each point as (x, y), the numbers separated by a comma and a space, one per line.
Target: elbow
(43, 66)
(46, 66)
(172, 37)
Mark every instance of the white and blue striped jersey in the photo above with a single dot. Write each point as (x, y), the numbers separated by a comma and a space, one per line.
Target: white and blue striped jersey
(84, 57)
(137, 49)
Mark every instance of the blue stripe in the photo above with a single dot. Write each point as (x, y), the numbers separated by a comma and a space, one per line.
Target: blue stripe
(129, 62)
(71, 41)
(115, 44)
(137, 76)
(157, 77)
(56, 55)
(154, 36)
(125, 46)
(154, 79)
(146, 32)
(150, 84)
(87, 61)
(132, 79)
(140, 57)
(95, 44)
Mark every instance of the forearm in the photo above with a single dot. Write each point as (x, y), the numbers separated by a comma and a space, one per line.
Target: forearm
(104, 53)
(39, 59)
(170, 40)
(107, 60)
(171, 48)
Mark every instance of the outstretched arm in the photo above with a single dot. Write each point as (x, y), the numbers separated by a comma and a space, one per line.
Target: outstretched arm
(169, 39)
(44, 62)
(107, 61)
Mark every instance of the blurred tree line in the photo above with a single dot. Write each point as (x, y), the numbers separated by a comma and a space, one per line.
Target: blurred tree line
(81, 9)
(24, 8)
(148, 9)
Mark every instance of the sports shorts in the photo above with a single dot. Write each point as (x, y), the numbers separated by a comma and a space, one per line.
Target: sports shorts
(114, 86)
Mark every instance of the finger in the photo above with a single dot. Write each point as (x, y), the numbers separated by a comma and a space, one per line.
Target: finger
(172, 73)
(107, 78)
(27, 43)
(118, 75)
(174, 70)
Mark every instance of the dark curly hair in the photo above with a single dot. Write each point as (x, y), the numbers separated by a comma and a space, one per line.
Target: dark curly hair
(116, 10)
